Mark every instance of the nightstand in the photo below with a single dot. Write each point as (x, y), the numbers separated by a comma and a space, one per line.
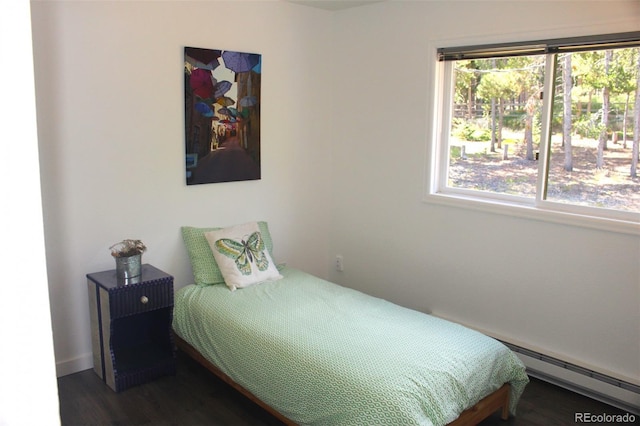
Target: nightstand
(131, 327)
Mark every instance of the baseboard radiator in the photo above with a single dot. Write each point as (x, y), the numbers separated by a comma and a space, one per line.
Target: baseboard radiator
(610, 390)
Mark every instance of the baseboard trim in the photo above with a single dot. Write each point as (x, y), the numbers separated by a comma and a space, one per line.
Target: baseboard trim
(74, 365)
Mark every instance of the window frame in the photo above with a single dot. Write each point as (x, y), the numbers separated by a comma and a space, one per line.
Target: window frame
(538, 208)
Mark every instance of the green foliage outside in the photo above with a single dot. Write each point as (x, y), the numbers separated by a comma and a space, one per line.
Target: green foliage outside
(471, 130)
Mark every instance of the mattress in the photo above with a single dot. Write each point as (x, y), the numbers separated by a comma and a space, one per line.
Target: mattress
(323, 354)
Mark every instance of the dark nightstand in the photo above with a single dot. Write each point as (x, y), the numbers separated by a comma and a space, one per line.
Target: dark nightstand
(131, 327)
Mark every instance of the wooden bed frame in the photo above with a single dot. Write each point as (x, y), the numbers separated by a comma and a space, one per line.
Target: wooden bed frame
(470, 417)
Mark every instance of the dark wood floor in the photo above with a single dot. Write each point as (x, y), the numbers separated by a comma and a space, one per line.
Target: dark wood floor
(196, 397)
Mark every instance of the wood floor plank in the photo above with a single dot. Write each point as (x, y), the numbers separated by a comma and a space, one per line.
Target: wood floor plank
(196, 397)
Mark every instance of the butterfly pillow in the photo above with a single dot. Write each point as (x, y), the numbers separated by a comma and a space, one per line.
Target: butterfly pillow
(241, 255)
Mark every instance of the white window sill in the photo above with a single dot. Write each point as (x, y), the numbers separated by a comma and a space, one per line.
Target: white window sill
(535, 213)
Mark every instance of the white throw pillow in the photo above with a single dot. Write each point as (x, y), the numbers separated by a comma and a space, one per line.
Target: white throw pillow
(241, 255)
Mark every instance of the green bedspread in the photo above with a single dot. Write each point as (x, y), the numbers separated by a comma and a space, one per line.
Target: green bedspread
(323, 354)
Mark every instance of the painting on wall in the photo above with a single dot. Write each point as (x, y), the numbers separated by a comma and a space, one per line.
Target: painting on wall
(222, 115)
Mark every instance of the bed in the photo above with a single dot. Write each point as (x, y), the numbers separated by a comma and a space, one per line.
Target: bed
(313, 352)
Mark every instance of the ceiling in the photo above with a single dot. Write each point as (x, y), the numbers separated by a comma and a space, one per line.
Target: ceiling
(334, 4)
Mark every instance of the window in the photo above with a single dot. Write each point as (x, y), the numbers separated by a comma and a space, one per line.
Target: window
(549, 125)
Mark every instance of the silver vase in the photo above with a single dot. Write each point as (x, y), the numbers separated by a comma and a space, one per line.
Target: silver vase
(128, 269)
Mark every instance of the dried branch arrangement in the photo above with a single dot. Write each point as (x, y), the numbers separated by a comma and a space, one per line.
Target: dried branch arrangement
(126, 248)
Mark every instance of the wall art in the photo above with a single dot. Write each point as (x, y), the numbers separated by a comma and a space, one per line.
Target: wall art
(222, 115)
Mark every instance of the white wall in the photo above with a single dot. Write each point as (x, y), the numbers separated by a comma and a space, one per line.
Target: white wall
(569, 291)
(27, 368)
(109, 81)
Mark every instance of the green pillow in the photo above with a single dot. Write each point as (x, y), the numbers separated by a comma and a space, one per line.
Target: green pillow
(204, 267)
